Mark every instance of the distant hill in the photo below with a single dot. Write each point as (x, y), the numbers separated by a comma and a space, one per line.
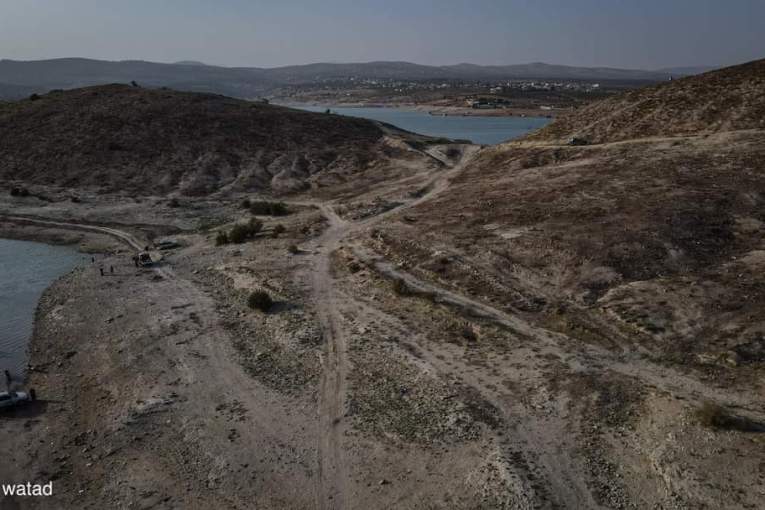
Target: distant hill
(152, 141)
(66, 73)
(727, 99)
(409, 71)
(688, 71)
(189, 63)
(547, 71)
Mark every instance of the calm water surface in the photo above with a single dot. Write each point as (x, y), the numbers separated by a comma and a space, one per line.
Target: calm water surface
(26, 270)
(483, 130)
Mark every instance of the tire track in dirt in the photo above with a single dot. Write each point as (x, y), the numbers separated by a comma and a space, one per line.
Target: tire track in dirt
(120, 235)
(567, 483)
(535, 444)
(579, 357)
(331, 491)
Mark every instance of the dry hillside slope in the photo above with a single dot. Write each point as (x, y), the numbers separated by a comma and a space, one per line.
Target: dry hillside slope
(728, 99)
(649, 252)
(146, 141)
(530, 325)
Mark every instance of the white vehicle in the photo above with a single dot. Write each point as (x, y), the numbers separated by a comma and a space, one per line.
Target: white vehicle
(15, 398)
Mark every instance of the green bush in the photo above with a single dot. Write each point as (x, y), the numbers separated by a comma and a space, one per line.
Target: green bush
(221, 238)
(293, 249)
(260, 300)
(401, 288)
(245, 232)
(262, 208)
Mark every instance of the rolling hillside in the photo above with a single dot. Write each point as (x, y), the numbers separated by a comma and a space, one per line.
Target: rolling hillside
(119, 137)
(618, 233)
(66, 73)
(728, 99)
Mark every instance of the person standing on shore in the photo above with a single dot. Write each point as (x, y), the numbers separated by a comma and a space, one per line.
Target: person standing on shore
(102, 270)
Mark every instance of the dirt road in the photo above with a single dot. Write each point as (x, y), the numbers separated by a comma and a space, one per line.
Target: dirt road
(426, 399)
(332, 469)
(541, 442)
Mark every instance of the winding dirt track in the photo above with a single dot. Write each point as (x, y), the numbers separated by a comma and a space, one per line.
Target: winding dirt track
(120, 235)
(331, 477)
(566, 483)
(331, 491)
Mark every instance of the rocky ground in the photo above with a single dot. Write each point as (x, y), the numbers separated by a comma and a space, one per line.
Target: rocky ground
(526, 326)
(161, 388)
(366, 384)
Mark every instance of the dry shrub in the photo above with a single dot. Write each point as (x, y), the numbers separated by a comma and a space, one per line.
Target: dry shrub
(260, 300)
(401, 288)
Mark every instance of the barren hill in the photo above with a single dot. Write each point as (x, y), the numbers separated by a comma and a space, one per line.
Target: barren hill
(540, 226)
(728, 99)
(649, 251)
(157, 141)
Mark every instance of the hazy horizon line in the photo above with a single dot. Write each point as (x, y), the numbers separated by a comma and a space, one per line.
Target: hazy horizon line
(329, 62)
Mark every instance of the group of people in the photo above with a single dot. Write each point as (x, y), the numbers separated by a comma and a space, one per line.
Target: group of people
(137, 262)
(101, 268)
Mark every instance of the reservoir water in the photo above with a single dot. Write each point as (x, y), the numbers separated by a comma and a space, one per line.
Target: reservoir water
(478, 129)
(26, 270)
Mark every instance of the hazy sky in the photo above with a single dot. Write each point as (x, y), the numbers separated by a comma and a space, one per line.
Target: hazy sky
(617, 33)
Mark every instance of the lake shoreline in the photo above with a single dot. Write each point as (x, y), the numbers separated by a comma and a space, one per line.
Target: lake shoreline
(31, 266)
(435, 110)
(61, 334)
(453, 124)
